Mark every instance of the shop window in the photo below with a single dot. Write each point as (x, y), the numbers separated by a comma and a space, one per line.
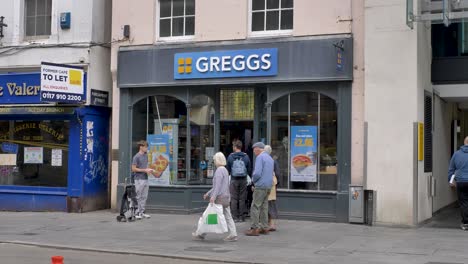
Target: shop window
(34, 153)
(272, 16)
(38, 15)
(201, 139)
(176, 18)
(237, 104)
(165, 115)
(304, 136)
(280, 139)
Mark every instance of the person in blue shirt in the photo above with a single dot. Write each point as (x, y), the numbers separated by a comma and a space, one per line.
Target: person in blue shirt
(459, 167)
(262, 178)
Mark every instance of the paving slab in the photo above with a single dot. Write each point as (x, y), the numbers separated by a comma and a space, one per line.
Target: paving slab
(294, 242)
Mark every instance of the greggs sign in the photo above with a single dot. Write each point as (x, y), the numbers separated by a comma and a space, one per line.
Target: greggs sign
(226, 64)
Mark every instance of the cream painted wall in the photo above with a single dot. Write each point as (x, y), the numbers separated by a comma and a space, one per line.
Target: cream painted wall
(221, 20)
(444, 113)
(390, 110)
(357, 124)
(424, 60)
(318, 17)
(140, 16)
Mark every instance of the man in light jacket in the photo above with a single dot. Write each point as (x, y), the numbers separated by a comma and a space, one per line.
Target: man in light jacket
(459, 168)
(262, 178)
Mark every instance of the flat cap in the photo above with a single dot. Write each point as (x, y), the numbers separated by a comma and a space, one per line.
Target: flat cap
(258, 145)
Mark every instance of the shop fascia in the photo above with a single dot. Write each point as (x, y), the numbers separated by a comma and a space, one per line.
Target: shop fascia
(229, 63)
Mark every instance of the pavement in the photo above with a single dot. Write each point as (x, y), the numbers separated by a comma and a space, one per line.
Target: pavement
(294, 242)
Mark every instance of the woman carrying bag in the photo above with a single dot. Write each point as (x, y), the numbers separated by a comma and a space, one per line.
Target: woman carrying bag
(219, 195)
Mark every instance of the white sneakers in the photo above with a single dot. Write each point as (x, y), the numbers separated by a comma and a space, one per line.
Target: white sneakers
(145, 215)
(230, 238)
(142, 215)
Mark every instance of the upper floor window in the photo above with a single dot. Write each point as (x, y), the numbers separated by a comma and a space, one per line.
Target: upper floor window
(38, 17)
(176, 18)
(272, 15)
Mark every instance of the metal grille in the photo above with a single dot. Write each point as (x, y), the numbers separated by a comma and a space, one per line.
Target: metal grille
(427, 133)
(237, 104)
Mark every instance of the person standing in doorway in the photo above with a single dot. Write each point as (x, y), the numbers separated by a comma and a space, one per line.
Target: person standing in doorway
(262, 178)
(238, 166)
(140, 175)
(459, 168)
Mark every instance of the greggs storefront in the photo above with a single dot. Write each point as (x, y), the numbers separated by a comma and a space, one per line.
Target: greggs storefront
(190, 101)
(53, 157)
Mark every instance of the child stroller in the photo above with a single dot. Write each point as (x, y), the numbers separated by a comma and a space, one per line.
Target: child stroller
(129, 204)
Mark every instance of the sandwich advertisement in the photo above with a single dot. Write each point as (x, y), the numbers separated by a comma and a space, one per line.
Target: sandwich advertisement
(158, 159)
(304, 153)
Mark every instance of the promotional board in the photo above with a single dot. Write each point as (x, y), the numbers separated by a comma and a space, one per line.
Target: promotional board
(304, 153)
(159, 159)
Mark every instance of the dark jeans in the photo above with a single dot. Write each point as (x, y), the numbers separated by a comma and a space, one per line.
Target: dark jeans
(238, 191)
(462, 191)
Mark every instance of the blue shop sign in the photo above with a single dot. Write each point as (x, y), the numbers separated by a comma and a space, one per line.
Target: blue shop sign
(226, 64)
(20, 88)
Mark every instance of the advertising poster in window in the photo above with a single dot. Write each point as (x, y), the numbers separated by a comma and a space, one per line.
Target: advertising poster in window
(33, 155)
(304, 153)
(170, 127)
(159, 159)
(56, 158)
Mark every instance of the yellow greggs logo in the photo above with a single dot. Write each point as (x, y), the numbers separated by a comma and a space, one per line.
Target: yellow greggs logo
(185, 65)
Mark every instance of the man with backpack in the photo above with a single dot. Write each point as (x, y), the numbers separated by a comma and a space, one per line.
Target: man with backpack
(238, 166)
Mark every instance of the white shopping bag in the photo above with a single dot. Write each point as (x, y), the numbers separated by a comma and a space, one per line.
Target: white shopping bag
(212, 220)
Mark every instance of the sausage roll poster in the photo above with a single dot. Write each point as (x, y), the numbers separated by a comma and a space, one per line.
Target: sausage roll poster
(304, 153)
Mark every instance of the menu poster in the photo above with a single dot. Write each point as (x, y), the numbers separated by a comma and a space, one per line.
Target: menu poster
(304, 153)
(159, 159)
(33, 155)
(56, 157)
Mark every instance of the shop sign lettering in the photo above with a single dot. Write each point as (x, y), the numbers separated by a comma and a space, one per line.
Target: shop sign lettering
(226, 64)
(42, 126)
(20, 88)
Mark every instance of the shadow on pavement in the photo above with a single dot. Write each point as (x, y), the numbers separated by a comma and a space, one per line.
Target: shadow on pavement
(448, 217)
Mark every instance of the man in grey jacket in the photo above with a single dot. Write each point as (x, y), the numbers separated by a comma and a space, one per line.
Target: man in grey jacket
(262, 178)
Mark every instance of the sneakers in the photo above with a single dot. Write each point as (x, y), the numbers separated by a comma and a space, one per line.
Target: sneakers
(145, 215)
(197, 237)
(138, 217)
(464, 227)
(230, 238)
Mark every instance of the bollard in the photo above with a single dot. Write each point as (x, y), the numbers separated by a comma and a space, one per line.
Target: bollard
(57, 260)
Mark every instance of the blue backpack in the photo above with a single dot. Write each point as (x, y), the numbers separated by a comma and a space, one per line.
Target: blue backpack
(238, 168)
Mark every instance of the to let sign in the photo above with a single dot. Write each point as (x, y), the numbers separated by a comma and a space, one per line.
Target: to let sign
(62, 83)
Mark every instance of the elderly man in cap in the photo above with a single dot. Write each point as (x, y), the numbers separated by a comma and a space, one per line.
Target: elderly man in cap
(262, 178)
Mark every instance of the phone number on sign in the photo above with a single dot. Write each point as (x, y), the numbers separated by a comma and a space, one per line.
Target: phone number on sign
(64, 97)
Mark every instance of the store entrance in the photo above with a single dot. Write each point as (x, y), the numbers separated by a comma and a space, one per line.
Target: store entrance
(232, 130)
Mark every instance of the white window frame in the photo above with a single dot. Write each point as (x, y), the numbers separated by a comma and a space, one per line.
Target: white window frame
(177, 38)
(269, 33)
(37, 37)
